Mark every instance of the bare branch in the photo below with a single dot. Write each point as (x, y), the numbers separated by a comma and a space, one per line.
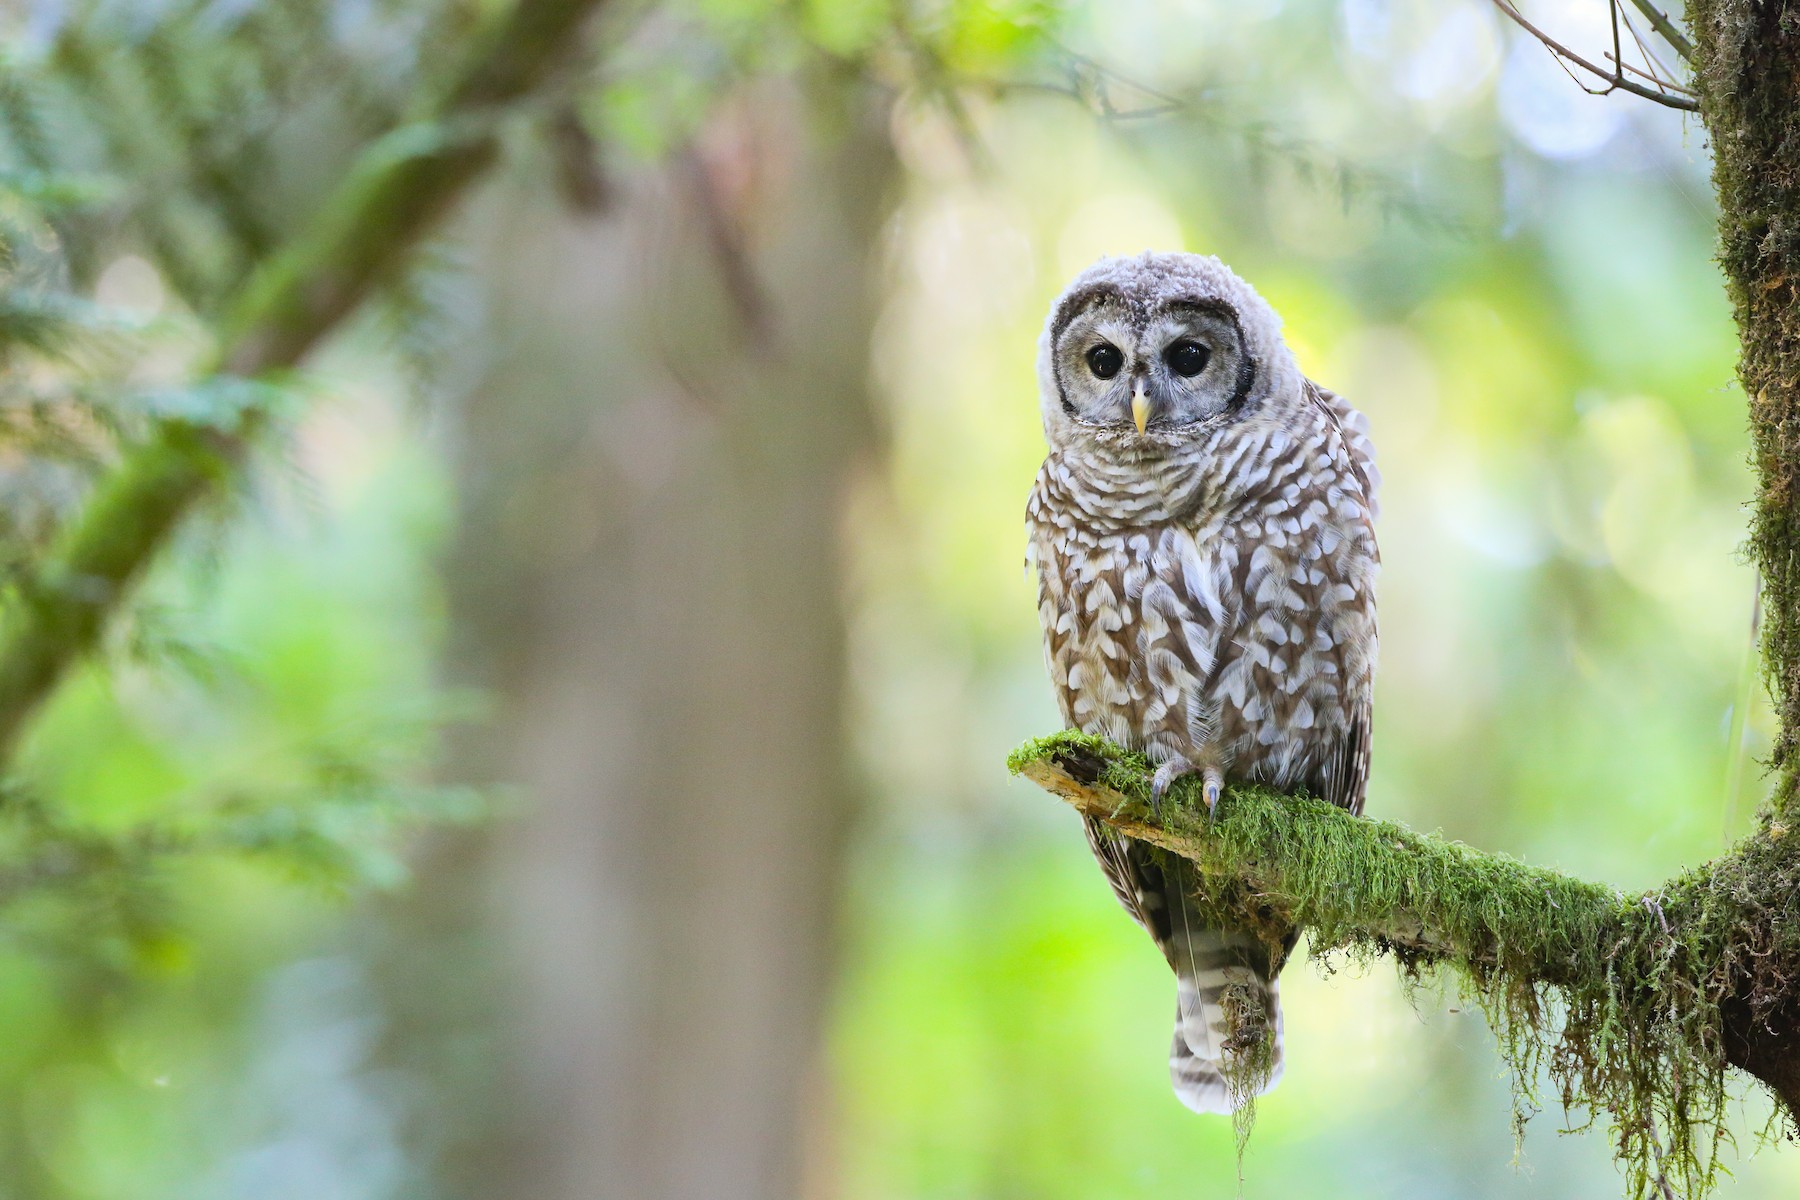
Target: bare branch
(1614, 80)
(1658, 80)
(1658, 72)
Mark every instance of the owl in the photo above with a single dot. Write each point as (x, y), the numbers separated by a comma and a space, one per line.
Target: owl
(1203, 535)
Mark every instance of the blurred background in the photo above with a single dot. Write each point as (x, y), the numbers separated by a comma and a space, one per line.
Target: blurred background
(568, 762)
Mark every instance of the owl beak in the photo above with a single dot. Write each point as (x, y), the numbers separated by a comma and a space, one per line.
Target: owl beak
(1140, 405)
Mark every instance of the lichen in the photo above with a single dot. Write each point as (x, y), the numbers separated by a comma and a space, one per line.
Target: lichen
(1616, 999)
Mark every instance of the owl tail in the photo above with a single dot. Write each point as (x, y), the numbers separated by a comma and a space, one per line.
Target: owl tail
(1227, 1011)
(1227, 1047)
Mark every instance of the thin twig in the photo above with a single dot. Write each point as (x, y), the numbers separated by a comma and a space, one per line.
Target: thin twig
(1662, 1168)
(1737, 749)
(1090, 83)
(1143, 114)
(1106, 74)
(1658, 80)
(1615, 80)
(1658, 71)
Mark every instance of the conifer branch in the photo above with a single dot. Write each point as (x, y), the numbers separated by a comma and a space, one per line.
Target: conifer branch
(398, 192)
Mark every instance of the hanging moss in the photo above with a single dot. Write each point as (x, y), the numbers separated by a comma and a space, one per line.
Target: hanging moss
(1615, 998)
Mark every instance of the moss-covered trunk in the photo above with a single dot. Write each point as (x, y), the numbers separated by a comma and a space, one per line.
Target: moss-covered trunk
(1747, 65)
(1748, 58)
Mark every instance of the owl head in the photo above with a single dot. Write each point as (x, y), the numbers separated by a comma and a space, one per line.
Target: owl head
(1155, 350)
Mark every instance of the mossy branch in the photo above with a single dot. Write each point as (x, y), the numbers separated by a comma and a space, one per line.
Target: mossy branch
(1633, 1005)
(1313, 865)
(299, 295)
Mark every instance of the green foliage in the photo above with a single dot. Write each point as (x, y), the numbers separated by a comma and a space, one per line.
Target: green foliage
(152, 163)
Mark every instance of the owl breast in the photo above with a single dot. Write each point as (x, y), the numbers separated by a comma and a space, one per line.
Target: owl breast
(1241, 639)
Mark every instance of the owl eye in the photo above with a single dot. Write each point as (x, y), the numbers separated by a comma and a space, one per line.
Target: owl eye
(1187, 357)
(1105, 360)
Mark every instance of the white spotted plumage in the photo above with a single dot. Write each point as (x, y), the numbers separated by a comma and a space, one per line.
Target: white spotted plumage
(1206, 586)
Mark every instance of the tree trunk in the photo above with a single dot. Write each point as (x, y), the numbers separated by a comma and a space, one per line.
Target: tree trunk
(1747, 67)
(648, 580)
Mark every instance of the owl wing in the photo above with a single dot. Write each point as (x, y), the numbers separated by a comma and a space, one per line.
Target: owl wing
(1135, 876)
(1346, 773)
(1355, 430)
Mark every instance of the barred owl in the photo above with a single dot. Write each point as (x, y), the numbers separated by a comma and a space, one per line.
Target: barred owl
(1203, 534)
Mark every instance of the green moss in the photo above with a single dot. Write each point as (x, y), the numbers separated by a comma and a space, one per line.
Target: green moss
(1614, 998)
(1747, 67)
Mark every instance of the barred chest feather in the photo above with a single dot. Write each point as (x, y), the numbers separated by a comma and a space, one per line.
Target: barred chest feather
(1212, 604)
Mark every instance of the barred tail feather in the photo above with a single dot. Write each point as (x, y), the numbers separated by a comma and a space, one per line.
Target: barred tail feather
(1227, 1046)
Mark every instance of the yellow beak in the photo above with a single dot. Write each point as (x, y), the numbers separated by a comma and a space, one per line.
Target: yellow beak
(1140, 406)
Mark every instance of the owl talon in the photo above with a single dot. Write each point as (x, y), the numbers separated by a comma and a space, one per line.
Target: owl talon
(1162, 781)
(1210, 791)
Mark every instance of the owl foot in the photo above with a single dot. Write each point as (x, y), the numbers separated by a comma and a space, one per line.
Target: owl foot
(1212, 784)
